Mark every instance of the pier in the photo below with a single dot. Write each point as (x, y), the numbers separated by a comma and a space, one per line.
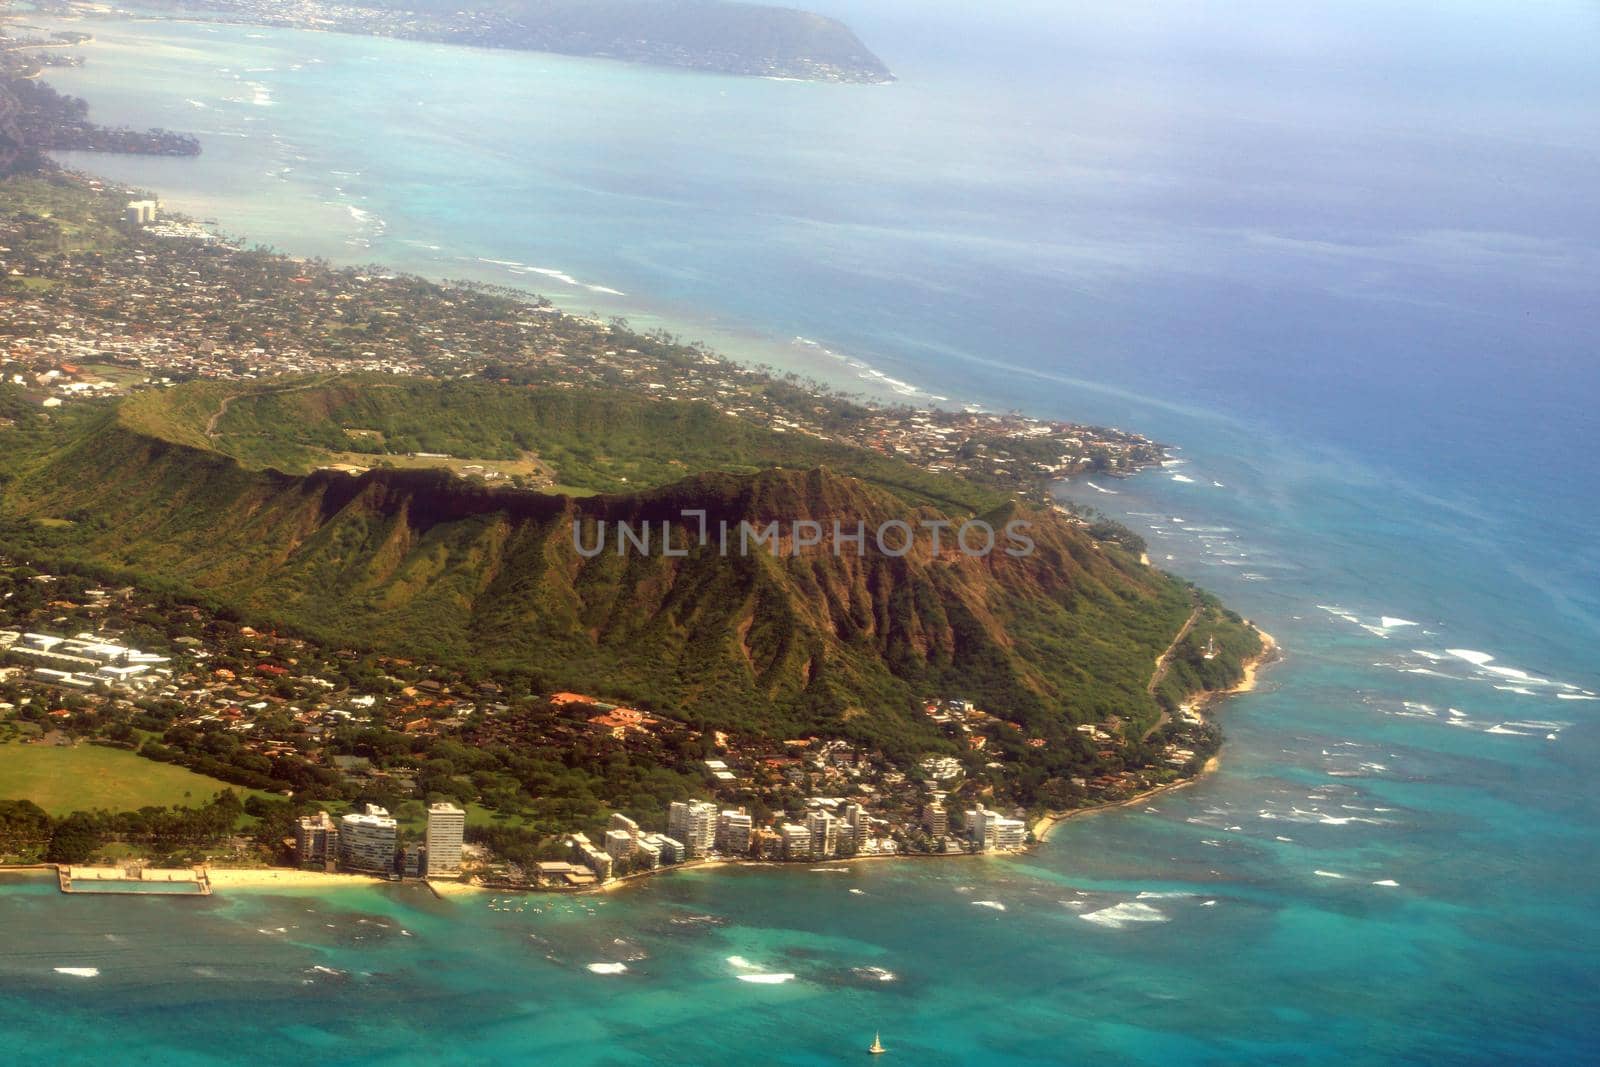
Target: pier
(134, 879)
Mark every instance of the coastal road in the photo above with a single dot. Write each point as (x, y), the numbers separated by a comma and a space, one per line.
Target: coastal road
(1163, 662)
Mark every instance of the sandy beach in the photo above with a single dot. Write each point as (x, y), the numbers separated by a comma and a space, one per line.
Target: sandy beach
(1252, 673)
(1252, 667)
(284, 878)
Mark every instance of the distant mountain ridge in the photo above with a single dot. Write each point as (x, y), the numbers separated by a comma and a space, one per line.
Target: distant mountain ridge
(736, 37)
(425, 563)
(714, 35)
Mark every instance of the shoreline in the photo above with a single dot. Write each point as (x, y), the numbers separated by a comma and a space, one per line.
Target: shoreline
(745, 344)
(290, 879)
(810, 358)
(266, 878)
(1270, 653)
(286, 878)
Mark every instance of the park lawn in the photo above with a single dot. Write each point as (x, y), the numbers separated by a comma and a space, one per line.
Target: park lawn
(116, 372)
(89, 777)
(478, 815)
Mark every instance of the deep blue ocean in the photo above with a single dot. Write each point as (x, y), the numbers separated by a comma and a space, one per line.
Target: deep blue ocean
(1343, 254)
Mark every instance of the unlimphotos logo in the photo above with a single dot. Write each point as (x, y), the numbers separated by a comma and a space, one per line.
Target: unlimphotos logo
(975, 537)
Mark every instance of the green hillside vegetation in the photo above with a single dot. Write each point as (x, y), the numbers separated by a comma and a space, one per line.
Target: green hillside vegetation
(65, 220)
(598, 441)
(423, 563)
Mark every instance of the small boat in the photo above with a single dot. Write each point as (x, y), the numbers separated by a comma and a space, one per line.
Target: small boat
(876, 1047)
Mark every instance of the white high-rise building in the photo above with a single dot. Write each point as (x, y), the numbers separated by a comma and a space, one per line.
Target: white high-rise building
(695, 824)
(989, 829)
(824, 828)
(796, 841)
(140, 212)
(1010, 833)
(316, 840)
(976, 824)
(587, 854)
(619, 844)
(669, 850)
(936, 818)
(648, 852)
(733, 832)
(447, 825)
(367, 841)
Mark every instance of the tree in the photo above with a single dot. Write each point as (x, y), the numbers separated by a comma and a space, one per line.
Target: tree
(76, 839)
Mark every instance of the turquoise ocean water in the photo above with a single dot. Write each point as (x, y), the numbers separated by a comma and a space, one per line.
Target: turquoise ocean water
(1343, 257)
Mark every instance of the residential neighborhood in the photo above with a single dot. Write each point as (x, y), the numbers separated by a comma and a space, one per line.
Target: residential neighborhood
(381, 764)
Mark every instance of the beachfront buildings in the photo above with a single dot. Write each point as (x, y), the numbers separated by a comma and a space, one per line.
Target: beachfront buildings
(666, 850)
(316, 841)
(140, 212)
(591, 856)
(619, 844)
(990, 830)
(622, 833)
(695, 824)
(447, 826)
(629, 847)
(935, 818)
(823, 827)
(734, 833)
(367, 840)
(796, 841)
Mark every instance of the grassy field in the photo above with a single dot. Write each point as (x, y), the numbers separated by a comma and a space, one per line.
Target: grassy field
(86, 777)
(116, 372)
(87, 223)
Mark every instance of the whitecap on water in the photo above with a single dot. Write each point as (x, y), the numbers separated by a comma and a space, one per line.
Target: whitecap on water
(766, 979)
(608, 968)
(995, 904)
(1119, 915)
(876, 973)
